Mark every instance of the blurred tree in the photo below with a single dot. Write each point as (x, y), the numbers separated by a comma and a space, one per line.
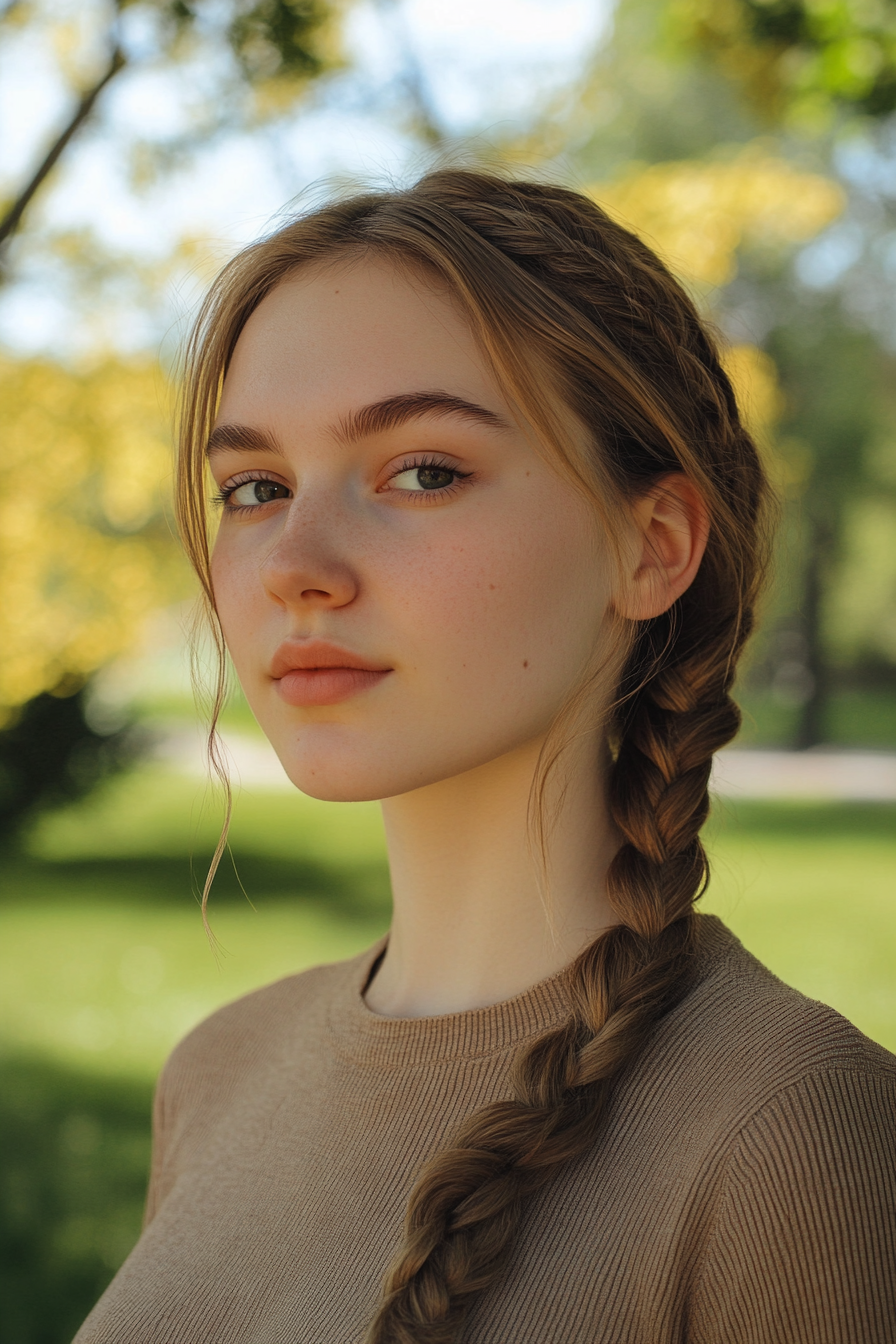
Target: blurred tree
(274, 47)
(800, 61)
(811, 67)
(700, 214)
(665, 129)
(836, 424)
(86, 552)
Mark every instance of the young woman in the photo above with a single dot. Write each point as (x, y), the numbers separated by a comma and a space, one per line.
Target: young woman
(490, 541)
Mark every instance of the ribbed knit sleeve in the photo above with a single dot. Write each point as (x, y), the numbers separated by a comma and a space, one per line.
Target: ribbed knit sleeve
(803, 1248)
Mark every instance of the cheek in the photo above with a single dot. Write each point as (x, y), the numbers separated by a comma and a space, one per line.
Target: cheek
(511, 613)
(237, 590)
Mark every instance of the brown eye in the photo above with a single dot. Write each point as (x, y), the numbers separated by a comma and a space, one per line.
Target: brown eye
(257, 492)
(434, 478)
(425, 478)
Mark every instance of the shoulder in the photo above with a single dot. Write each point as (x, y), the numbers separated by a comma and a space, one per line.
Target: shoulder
(741, 1038)
(800, 1146)
(790, 1114)
(229, 1057)
(247, 1036)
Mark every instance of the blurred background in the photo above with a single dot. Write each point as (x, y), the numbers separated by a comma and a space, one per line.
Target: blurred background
(752, 142)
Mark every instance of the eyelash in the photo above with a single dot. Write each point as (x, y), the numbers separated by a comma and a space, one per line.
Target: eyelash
(221, 498)
(432, 463)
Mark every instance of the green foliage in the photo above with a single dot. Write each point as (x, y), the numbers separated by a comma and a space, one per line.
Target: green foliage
(278, 37)
(863, 719)
(836, 432)
(270, 37)
(49, 754)
(861, 615)
(800, 58)
(649, 99)
(117, 875)
(834, 376)
(664, 117)
(260, 56)
(84, 559)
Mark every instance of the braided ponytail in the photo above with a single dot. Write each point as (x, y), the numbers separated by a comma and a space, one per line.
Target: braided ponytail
(466, 1205)
(558, 295)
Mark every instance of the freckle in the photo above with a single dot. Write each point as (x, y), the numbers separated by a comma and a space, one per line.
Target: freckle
(492, 586)
(525, 662)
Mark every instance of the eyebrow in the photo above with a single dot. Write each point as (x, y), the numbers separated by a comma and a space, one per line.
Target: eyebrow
(391, 412)
(376, 418)
(241, 438)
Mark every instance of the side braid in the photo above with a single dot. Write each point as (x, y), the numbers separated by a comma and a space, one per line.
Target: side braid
(465, 1208)
(675, 712)
(543, 272)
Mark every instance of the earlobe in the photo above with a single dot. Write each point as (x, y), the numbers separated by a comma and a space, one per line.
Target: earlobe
(671, 528)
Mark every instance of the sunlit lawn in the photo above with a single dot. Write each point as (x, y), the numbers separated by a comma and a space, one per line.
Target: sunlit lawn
(105, 965)
(109, 961)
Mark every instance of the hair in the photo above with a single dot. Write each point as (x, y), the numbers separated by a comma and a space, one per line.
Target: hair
(557, 295)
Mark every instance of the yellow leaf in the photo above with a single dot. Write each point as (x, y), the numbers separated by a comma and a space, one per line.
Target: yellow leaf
(698, 214)
(86, 549)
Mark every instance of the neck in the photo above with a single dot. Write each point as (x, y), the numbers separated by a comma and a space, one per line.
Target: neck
(479, 916)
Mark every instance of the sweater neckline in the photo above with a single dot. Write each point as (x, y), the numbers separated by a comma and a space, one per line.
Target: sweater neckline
(359, 1034)
(401, 1042)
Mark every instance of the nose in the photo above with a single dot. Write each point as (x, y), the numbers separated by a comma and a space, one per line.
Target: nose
(306, 568)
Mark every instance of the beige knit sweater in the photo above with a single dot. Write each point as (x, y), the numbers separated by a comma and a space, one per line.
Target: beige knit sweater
(744, 1189)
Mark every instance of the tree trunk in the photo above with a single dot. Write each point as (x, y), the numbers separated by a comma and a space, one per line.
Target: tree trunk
(811, 728)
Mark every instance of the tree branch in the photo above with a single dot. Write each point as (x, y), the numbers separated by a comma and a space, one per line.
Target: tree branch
(13, 217)
(412, 77)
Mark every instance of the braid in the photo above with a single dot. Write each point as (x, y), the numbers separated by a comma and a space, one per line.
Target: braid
(543, 271)
(465, 1208)
(675, 711)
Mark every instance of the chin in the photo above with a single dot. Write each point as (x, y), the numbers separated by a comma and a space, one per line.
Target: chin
(328, 789)
(334, 768)
(336, 765)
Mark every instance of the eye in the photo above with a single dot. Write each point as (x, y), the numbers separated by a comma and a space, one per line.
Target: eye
(427, 476)
(249, 494)
(424, 478)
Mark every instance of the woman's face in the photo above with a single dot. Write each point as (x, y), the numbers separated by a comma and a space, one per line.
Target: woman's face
(406, 588)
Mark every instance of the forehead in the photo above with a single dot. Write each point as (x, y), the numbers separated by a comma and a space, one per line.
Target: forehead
(332, 338)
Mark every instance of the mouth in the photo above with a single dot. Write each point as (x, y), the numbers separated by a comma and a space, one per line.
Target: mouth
(315, 672)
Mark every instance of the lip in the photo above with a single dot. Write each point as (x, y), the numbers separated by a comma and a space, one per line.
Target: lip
(316, 672)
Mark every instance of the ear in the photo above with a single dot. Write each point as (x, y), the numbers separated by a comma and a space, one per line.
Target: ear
(671, 527)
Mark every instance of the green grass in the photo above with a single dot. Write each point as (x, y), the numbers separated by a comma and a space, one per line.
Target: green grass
(811, 890)
(75, 1153)
(108, 964)
(104, 965)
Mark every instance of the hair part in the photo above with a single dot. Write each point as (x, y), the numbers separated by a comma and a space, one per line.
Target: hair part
(552, 287)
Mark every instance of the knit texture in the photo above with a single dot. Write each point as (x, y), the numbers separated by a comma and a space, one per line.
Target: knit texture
(743, 1190)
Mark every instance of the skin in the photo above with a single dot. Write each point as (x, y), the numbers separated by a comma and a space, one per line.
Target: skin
(482, 602)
